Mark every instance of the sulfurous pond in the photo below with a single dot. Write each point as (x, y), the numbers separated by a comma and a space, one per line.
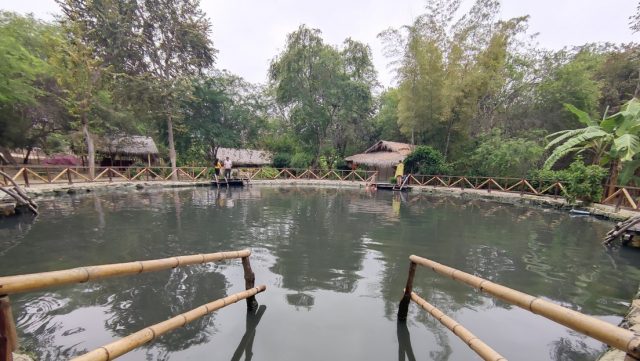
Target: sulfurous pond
(334, 262)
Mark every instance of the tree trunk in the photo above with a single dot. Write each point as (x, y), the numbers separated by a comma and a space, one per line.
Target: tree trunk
(26, 157)
(91, 152)
(613, 180)
(172, 148)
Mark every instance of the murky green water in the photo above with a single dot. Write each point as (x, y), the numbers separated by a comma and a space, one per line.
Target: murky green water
(334, 262)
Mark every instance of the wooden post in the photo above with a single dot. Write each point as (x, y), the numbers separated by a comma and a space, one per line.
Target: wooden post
(403, 309)
(26, 177)
(109, 174)
(3, 176)
(249, 281)
(521, 187)
(489, 184)
(48, 175)
(555, 190)
(8, 335)
(69, 176)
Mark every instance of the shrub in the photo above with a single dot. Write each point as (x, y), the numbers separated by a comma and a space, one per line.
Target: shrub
(281, 160)
(301, 160)
(268, 172)
(583, 182)
(426, 160)
(497, 156)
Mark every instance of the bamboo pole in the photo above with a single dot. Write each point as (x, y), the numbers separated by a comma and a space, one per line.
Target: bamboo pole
(482, 349)
(137, 339)
(605, 332)
(34, 281)
(8, 334)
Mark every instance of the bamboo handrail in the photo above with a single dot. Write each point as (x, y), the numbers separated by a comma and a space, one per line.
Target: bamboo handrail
(482, 349)
(137, 339)
(605, 332)
(34, 281)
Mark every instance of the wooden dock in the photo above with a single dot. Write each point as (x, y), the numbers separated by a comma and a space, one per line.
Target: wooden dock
(391, 187)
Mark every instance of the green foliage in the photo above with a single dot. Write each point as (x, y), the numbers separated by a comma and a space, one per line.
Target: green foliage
(326, 91)
(301, 161)
(498, 156)
(268, 172)
(426, 160)
(570, 79)
(281, 160)
(583, 182)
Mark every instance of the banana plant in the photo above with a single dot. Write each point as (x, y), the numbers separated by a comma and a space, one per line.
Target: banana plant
(614, 141)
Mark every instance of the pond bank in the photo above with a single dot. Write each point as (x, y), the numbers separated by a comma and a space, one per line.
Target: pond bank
(598, 210)
(631, 322)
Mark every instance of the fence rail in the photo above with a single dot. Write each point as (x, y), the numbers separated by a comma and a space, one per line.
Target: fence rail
(35, 281)
(614, 336)
(621, 196)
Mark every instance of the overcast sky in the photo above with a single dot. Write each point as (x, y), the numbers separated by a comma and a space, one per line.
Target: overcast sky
(249, 33)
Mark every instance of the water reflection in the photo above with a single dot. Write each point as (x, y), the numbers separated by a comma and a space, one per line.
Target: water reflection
(405, 350)
(246, 343)
(342, 253)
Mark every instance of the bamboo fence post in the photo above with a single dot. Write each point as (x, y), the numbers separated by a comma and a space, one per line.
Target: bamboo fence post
(249, 281)
(25, 176)
(482, 349)
(34, 281)
(137, 339)
(403, 309)
(612, 335)
(8, 334)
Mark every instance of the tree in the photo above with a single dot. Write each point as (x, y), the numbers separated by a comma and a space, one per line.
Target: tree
(19, 70)
(324, 93)
(223, 111)
(615, 140)
(570, 79)
(160, 43)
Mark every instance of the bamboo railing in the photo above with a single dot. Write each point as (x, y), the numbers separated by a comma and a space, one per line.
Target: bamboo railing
(481, 348)
(137, 339)
(614, 336)
(35, 281)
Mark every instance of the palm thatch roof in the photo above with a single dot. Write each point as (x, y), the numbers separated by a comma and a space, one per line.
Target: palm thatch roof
(245, 157)
(382, 154)
(130, 144)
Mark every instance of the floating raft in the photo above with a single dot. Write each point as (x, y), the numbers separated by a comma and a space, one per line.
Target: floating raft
(230, 182)
(391, 187)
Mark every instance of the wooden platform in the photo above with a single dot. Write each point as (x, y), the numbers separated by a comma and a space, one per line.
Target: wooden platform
(231, 182)
(391, 187)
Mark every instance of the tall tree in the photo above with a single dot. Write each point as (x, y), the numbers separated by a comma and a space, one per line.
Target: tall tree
(324, 93)
(162, 43)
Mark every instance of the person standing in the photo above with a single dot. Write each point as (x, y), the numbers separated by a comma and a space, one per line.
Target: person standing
(399, 173)
(217, 167)
(227, 168)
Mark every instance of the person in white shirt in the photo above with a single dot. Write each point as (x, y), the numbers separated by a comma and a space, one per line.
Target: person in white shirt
(227, 168)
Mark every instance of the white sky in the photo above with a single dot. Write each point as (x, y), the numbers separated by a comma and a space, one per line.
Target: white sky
(249, 33)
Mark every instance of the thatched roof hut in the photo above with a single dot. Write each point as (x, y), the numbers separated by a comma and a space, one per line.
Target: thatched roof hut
(382, 156)
(138, 145)
(245, 157)
(119, 150)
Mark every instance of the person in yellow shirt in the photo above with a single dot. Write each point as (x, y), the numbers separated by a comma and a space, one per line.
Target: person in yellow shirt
(399, 173)
(218, 166)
